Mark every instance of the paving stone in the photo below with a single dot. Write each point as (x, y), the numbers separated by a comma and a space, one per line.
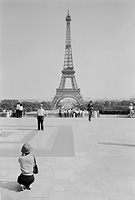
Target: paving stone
(77, 159)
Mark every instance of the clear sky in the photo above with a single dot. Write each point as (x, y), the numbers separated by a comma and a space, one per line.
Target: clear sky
(32, 47)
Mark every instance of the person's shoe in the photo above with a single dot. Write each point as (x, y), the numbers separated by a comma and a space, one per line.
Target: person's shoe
(22, 187)
(28, 188)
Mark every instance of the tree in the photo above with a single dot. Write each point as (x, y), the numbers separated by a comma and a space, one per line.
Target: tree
(8, 104)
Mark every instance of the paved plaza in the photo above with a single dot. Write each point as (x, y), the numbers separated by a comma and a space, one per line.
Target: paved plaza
(77, 159)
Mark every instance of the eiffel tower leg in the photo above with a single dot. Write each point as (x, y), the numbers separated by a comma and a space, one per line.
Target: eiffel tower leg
(62, 83)
(54, 102)
(74, 84)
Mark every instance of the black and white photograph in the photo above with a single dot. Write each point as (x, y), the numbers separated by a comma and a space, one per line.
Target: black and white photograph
(67, 99)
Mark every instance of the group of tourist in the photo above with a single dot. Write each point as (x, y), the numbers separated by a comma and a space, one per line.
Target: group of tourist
(7, 113)
(18, 112)
(76, 112)
(72, 112)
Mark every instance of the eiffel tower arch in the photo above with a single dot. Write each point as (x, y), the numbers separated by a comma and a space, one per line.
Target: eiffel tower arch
(68, 72)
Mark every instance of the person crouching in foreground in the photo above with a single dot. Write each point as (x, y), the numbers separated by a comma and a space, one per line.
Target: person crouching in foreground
(26, 178)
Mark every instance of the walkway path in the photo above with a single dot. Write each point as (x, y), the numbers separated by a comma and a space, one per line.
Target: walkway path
(77, 159)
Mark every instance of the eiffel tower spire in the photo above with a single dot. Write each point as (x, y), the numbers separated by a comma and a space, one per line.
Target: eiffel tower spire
(68, 61)
(67, 72)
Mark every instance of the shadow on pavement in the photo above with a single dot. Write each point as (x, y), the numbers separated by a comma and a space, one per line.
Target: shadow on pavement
(118, 144)
(10, 185)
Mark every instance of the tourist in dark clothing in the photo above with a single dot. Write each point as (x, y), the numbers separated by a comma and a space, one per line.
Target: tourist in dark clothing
(21, 111)
(18, 110)
(90, 110)
(60, 112)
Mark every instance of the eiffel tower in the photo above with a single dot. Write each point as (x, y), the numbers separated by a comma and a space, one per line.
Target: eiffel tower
(67, 72)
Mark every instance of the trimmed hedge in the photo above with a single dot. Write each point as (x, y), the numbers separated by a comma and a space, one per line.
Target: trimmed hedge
(114, 112)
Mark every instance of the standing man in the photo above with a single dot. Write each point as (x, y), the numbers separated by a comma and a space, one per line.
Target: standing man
(40, 117)
(60, 112)
(131, 110)
(90, 109)
(18, 110)
(21, 110)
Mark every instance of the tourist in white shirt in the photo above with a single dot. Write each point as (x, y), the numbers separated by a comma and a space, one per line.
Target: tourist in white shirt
(26, 160)
(40, 117)
(131, 110)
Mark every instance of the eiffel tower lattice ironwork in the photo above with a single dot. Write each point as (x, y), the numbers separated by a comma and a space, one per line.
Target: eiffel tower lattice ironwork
(67, 72)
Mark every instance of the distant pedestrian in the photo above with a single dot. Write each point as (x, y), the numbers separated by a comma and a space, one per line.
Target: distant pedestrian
(8, 113)
(40, 117)
(21, 111)
(65, 113)
(98, 114)
(26, 160)
(71, 112)
(60, 112)
(134, 109)
(131, 110)
(90, 110)
(18, 110)
(24, 112)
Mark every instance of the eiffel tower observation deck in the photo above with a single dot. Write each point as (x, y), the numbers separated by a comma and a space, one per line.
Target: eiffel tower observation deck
(68, 72)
